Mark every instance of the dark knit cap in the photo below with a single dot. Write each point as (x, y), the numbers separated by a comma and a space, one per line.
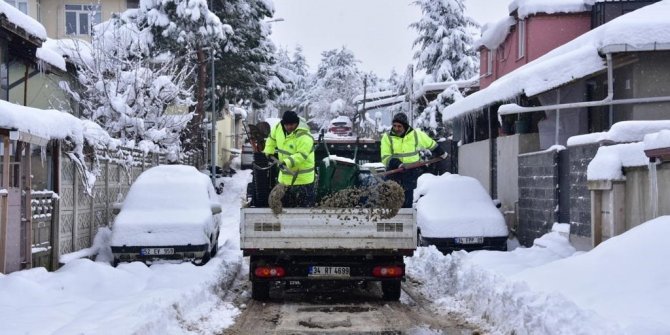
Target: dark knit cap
(402, 119)
(290, 117)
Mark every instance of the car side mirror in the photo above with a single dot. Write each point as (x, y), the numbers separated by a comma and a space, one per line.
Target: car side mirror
(497, 203)
(216, 208)
(116, 208)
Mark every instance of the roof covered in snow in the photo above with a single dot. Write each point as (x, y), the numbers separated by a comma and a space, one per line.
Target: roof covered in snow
(494, 33)
(609, 161)
(23, 21)
(526, 8)
(443, 85)
(373, 96)
(647, 27)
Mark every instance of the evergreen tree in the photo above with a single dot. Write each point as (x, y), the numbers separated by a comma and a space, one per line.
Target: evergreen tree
(444, 42)
(337, 77)
(246, 70)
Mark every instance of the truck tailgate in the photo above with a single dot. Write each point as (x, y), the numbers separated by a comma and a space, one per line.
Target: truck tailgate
(313, 228)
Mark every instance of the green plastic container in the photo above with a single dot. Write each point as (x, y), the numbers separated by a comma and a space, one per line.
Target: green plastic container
(335, 175)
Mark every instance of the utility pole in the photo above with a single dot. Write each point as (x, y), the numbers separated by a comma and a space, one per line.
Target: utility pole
(365, 90)
(213, 118)
(410, 70)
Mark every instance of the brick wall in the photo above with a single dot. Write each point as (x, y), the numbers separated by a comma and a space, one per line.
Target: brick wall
(538, 195)
(580, 197)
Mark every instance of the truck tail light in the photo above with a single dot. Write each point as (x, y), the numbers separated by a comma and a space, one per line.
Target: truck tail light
(269, 271)
(388, 271)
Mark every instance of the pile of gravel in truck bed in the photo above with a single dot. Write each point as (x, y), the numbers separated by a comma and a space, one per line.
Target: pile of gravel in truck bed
(382, 200)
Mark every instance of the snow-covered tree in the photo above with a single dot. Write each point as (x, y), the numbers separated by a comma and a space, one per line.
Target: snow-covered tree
(136, 78)
(294, 73)
(337, 77)
(189, 31)
(444, 45)
(246, 70)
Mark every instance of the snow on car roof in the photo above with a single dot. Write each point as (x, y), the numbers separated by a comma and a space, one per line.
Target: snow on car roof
(452, 205)
(166, 205)
(341, 118)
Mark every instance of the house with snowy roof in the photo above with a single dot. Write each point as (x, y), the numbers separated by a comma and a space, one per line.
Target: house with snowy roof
(56, 190)
(550, 71)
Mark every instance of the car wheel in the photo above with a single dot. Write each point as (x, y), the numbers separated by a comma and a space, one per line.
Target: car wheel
(215, 246)
(205, 258)
(391, 290)
(260, 291)
(115, 262)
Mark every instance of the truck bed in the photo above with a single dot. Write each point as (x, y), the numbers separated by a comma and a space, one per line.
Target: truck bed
(326, 229)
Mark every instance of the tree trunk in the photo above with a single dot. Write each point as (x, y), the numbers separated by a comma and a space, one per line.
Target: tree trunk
(195, 138)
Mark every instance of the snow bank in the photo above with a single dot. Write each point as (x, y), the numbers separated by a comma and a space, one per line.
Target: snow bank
(619, 287)
(461, 281)
(624, 279)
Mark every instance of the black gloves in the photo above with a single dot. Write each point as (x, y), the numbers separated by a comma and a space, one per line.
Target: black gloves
(394, 163)
(439, 152)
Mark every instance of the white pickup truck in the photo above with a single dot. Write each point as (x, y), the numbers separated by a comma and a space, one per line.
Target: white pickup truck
(315, 244)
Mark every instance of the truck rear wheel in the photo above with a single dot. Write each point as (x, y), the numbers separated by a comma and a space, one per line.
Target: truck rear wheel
(391, 290)
(260, 290)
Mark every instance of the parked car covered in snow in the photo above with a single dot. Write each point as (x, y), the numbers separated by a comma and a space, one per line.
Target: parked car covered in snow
(340, 126)
(171, 212)
(455, 212)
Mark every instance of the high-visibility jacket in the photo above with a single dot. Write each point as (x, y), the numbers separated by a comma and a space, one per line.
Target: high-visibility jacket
(296, 151)
(405, 148)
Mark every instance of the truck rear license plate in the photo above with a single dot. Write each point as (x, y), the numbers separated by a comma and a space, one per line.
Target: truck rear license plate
(156, 251)
(469, 240)
(329, 271)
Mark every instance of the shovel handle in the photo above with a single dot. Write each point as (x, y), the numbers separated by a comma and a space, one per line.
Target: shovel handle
(411, 166)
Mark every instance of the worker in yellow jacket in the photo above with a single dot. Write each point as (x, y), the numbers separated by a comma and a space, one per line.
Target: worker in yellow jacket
(402, 146)
(294, 145)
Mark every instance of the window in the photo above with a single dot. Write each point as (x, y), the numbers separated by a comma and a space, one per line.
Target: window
(489, 62)
(80, 18)
(132, 4)
(521, 38)
(22, 5)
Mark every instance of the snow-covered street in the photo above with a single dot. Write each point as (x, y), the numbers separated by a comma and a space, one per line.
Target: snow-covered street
(620, 287)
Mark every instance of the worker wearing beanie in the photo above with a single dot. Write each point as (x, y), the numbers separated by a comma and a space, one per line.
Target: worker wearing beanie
(401, 146)
(294, 145)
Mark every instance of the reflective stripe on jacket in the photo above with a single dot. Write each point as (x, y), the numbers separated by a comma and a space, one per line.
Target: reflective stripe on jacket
(296, 151)
(405, 148)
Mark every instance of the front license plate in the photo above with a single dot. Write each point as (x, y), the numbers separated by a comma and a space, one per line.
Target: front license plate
(156, 251)
(469, 240)
(329, 271)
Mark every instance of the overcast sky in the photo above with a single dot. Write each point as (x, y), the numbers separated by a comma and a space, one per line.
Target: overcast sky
(375, 30)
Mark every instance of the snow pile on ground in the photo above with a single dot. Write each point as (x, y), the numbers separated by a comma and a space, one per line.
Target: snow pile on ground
(620, 287)
(86, 297)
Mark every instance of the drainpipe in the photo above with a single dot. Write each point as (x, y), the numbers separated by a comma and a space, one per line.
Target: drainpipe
(515, 109)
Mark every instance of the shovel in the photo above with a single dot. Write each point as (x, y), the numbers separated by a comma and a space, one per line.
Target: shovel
(408, 167)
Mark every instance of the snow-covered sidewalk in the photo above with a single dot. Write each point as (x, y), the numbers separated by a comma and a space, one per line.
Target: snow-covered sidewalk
(620, 287)
(87, 297)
